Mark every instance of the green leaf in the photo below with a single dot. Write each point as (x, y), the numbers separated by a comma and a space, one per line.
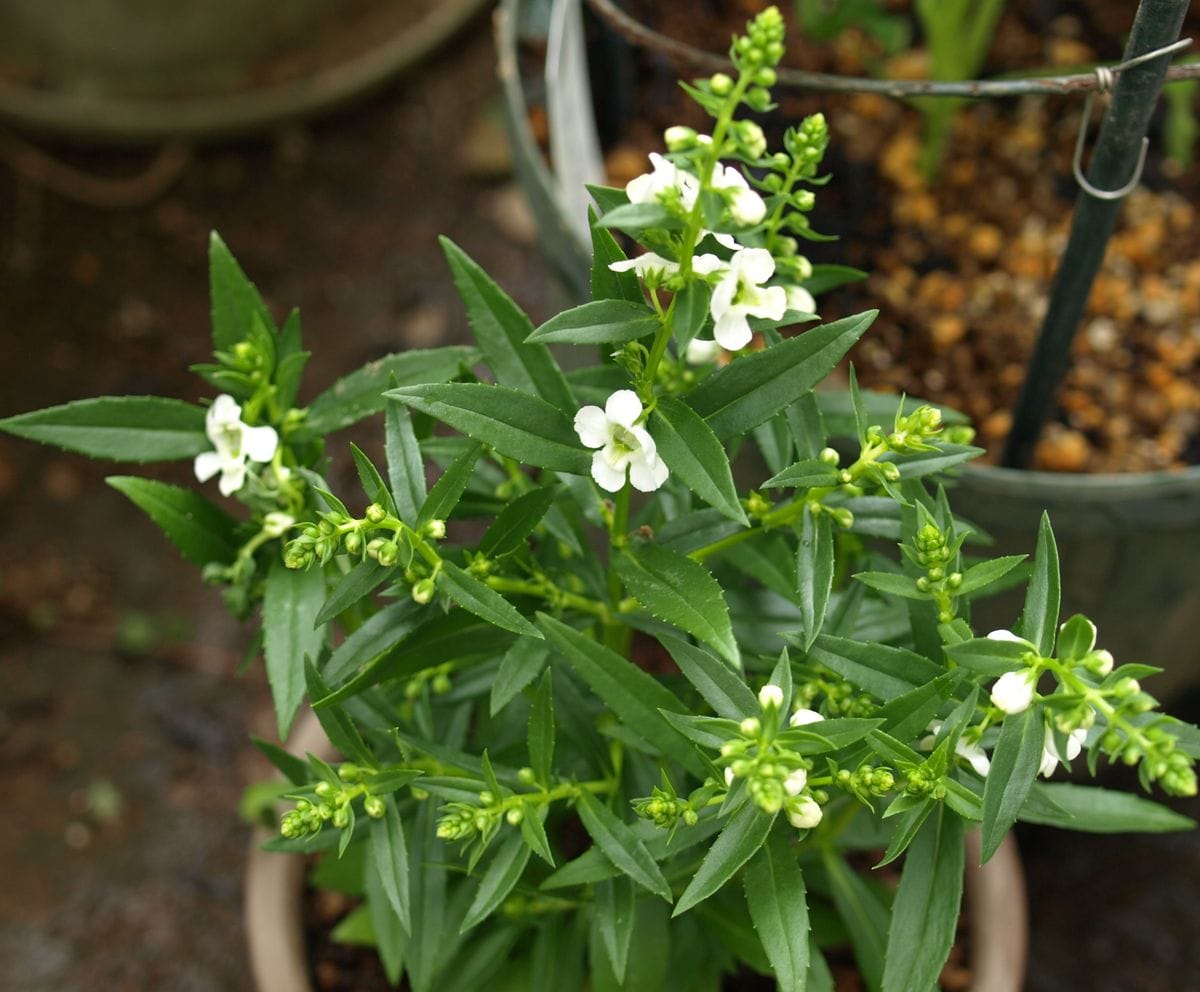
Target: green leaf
(363, 579)
(634, 696)
(1076, 638)
(406, 469)
(880, 669)
(360, 394)
(516, 424)
(742, 836)
(926, 907)
(380, 632)
(391, 937)
(607, 284)
(373, 486)
(776, 897)
(450, 486)
(520, 665)
(1015, 762)
(986, 572)
(295, 769)
(814, 573)
(864, 915)
(636, 217)
(613, 915)
(804, 474)
(501, 328)
(516, 522)
(121, 428)
(506, 868)
(389, 860)
(691, 311)
(837, 409)
(1100, 811)
(694, 454)
(599, 322)
(923, 463)
(620, 845)
(472, 594)
(534, 832)
(202, 532)
(235, 301)
(338, 727)
(988, 656)
(1040, 618)
(892, 583)
(541, 732)
(750, 389)
(861, 417)
(290, 599)
(724, 689)
(828, 276)
(674, 588)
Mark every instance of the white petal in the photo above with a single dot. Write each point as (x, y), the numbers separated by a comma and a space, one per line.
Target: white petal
(794, 784)
(623, 407)
(647, 474)
(754, 264)
(592, 427)
(732, 332)
(722, 295)
(260, 443)
(233, 477)
(1013, 691)
(224, 410)
(747, 207)
(729, 178)
(607, 477)
(800, 300)
(701, 351)
(207, 464)
(1004, 635)
(725, 241)
(709, 263)
(771, 303)
(645, 442)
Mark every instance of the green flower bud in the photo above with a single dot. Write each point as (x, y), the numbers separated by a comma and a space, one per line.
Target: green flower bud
(750, 727)
(720, 84)
(375, 513)
(341, 818)
(423, 591)
(679, 138)
(374, 807)
(349, 772)
(435, 529)
(843, 517)
(766, 77)
(514, 816)
(829, 456)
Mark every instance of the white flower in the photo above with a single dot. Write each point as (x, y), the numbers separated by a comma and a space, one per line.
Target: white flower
(701, 351)
(623, 445)
(648, 266)
(666, 181)
(804, 813)
(1013, 691)
(804, 716)
(973, 754)
(800, 300)
(740, 294)
(1050, 752)
(745, 206)
(794, 784)
(770, 697)
(235, 442)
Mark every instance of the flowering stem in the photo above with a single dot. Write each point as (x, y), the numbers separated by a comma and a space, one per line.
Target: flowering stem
(547, 590)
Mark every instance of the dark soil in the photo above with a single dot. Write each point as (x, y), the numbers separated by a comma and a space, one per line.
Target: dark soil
(961, 267)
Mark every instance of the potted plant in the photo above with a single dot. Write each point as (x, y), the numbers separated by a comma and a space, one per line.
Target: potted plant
(636, 726)
(1123, 486)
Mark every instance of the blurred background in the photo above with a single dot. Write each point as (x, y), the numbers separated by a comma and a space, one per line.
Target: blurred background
(125, 706)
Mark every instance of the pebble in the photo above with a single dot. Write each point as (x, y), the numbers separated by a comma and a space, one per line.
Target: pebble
(1062, 449)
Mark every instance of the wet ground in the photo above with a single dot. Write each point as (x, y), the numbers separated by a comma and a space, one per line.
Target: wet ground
(123, 721)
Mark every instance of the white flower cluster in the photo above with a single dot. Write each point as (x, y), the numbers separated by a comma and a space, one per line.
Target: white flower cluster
(236, 442)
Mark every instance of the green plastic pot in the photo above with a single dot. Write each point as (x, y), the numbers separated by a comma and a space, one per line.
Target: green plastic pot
(1129, 551)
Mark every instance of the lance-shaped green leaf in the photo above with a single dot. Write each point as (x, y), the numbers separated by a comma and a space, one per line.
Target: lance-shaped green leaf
(750, 389)
(372, 483)
(122, 428)
(291, 598)
(504, 871)
(837, 409)
(724, 689)
(634, 696)
(541, 732)
(389, 860)
(776, 897)
(450, 486)
(520, 665)
(516, 522)
(390, 937)
(1015, 762)
(880, 669)
(743, 835)
(804, 474)
(378, 633)
(516, 424)
(672, 587)
(613, 918)
(202, 532)
(235, 301)
(814, 573)
(691, 311)
(891, 584)
(599, 322)
(1099, 811)
(360, 394)
(1076, 638)
(472, 594)
(986, 572)
(923, 463)
(406, 469)
(1040, 617)
(989, 656)
(925, 910)
(338, 727)
(621, 845)
(501, 328)
(693, 453)
(607, 284)
(363, 579)
(864, 914)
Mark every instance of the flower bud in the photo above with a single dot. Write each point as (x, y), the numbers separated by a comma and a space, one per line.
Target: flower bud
(804, 813)
(750, 727)
(374, 807)
(804, 716)
(843, 517)
(794, 784)
(277, 523)
(721, 84)
(1099, 662)
(526, 776)
(1013, 691)
(324, 790)
(423, 591)
(679, 138)
(389, 554)
(829, 456)
(349, 772)
(729, 777)
(514, 816)
(352, 542)
(375, 513)
(770, 697)
(435, 529)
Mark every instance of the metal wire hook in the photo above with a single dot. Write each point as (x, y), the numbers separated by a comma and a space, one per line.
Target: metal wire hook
(1105, 78)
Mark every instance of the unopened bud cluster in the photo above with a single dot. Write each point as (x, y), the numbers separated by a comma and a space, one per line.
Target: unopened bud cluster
(936, 550)
(665, 809)
(331, 803)
(866, 781)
